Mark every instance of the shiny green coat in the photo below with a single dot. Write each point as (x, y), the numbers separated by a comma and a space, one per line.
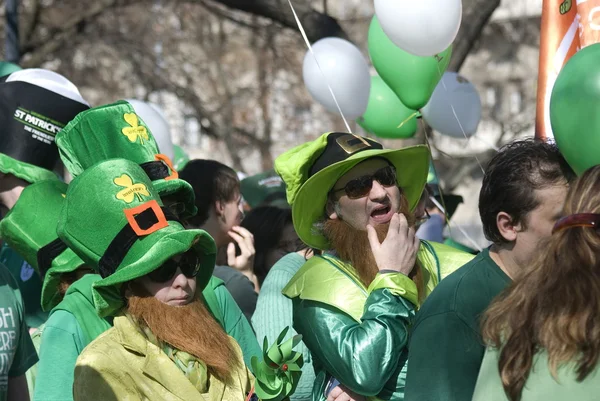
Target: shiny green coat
(358, 335)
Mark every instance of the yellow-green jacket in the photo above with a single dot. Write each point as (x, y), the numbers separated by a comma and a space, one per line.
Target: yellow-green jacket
(122, 365)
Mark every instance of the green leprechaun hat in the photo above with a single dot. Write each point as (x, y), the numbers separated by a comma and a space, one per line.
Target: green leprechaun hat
(263, 189)
(116, 131)
(114, 219)
(311, 170)
(35, 104)
(30, 229)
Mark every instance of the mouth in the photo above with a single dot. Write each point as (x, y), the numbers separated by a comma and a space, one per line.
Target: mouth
(179, 301)
(382, 214)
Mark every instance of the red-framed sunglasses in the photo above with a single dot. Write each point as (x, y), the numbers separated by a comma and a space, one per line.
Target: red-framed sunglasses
(591, 220)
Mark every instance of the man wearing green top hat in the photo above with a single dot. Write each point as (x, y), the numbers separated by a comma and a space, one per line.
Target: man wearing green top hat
(34, 105)
(164, 344)
(353, 199)
(30, 229)
(116, 131)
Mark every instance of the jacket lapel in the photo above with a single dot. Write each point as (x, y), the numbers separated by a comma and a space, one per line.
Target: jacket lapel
(157, 365)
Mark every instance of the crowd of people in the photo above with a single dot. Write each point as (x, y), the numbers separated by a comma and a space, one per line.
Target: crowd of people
(326, 278)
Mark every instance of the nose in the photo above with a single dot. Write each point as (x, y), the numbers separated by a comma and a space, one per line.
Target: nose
(180, 280)
(377, 191)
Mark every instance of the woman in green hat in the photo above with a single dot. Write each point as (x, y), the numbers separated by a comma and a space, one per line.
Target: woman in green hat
(117, 131)
(164, 344)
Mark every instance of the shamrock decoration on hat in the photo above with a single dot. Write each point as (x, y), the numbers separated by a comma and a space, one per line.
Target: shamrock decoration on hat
(30, 229)
(277, 375)
(116, 131)
(35, 104)
(114, 219)
(311, 170)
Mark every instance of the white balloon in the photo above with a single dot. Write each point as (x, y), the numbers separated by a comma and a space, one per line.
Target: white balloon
(345, 70)
(158, 124)
(453, 91)
(49, 80)
(423, 27)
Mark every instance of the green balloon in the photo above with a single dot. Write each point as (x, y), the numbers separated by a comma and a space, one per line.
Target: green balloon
(8, 68)
(575, 109)
(385, 113)
(180, 158)
(412, 78)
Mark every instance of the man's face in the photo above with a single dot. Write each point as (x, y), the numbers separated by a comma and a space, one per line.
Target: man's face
(233, 213)
(376, 207)
(539, 222)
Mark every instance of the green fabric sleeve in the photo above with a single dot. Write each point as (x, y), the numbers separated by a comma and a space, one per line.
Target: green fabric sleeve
(62, 342)
(362, 356)
(274, 312)
(398, 284)
(444, 358)
(237, 326)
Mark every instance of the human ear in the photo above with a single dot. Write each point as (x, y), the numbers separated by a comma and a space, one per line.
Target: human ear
(508, 230)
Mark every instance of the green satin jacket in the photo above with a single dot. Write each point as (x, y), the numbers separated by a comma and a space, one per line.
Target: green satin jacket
(358, 335)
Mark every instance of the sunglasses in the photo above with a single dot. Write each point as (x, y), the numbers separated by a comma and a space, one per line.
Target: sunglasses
(359, 187)
(578, 220)
(189, 263)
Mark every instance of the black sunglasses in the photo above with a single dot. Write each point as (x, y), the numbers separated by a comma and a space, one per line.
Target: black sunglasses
(189, 265)
(359, 187)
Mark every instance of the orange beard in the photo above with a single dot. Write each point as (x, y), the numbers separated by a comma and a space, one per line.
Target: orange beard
(353, 246)
(189, 328)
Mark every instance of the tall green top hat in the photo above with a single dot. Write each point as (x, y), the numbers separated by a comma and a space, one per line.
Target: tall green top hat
(116, 131)
(311, 170)
(30, 229)
(114, 219)
(35, 104)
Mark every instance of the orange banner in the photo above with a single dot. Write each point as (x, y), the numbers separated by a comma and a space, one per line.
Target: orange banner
(559, 40)
(567, 26)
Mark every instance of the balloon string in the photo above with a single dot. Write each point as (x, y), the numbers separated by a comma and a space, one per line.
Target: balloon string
(318, 65)
(443, 208)
(456, 116)
(471, 240)
(408, 119)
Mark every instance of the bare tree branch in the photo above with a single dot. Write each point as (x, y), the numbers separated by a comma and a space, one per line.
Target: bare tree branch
(34, 56)
(317, 25)
(476, 14)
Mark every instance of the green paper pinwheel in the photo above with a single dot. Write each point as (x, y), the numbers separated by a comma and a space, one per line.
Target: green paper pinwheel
(278, 373)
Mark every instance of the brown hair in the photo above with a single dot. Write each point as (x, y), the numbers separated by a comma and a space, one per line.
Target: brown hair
(212, 181)
(556, 304)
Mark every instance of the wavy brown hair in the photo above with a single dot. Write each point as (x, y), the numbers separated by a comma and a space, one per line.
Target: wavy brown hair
(555, 305)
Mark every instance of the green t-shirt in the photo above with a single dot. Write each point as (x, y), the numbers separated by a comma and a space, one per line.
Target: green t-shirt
(445, 349)
(540, 384)
(234, 322)
(30, 285)
(16, 349)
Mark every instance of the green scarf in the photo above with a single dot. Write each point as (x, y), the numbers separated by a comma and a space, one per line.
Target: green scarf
(193, 368)
(79, 302)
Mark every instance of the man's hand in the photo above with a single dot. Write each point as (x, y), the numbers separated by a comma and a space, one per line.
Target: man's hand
(341, 393)
(398, 251)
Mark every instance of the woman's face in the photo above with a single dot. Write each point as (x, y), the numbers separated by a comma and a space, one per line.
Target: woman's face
(288, 243)
(178, 290)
